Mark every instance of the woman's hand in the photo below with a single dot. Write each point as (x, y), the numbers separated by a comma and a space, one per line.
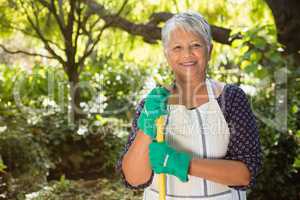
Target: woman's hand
(135, 164)
(165, 159)
(155, 106)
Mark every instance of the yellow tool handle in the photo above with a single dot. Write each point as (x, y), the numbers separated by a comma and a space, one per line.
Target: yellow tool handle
(160, 138)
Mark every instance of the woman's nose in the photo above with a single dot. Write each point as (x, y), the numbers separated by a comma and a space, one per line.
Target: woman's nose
(187, 52)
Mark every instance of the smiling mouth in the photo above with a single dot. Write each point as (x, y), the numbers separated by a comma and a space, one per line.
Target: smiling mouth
(188, 64)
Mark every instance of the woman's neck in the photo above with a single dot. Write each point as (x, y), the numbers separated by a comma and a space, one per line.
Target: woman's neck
(191, 93)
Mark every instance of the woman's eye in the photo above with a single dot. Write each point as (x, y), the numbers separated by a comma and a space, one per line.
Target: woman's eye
(176, 48)
(196, 45)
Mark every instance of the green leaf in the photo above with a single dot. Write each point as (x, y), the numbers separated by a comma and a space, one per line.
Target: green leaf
(244, 49)
(261, 73)
(297, 162)
(237, 43)
(298, 133)
(255, 56)
(2, 165)
(245, 63)
(250, 68)
(275, 57)
(98, 117)
(295, 109)
(259, 42)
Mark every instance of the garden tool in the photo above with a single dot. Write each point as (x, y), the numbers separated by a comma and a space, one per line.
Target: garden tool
(160, 138)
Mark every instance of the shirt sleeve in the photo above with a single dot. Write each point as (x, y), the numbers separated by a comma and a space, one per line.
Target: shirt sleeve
(130, 139)
(244, 144)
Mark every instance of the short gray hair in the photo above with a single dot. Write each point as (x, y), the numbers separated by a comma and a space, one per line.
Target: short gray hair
(190, 21)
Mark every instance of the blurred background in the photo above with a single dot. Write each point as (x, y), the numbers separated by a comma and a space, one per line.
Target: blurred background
(73, 71)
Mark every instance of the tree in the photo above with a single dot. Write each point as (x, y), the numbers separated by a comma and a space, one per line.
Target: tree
(75, 32)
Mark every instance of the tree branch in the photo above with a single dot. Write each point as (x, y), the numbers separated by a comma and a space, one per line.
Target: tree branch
(28, 33)
(79, 26)
(41, 36)
(150, 31)
(52, 9)
(90, 41)
(24, 52)
(122, 8)
(88, 52)
(68, 36)
(61, 11)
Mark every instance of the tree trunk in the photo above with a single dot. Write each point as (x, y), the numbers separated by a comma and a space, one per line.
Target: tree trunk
(75, 112)
(287, 19)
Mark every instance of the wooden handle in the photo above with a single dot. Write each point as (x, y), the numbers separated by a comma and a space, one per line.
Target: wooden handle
(160, 138)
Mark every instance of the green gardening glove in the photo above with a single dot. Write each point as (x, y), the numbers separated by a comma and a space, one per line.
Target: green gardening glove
(155, 106)
(165, 159)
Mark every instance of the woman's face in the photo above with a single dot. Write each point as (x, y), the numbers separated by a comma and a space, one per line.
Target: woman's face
(187, 54)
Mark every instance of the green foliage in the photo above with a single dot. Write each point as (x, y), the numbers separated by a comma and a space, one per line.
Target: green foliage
(25, 159)
(36, 138)
(2, 166)
(257, 60)
(26, 156)
(63, 184)
(103, 188)
(281, 151)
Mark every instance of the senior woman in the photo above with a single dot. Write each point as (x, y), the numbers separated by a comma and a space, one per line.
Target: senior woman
(211, 149)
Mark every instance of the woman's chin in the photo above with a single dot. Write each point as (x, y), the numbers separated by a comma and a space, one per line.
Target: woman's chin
(188, 75)
(188, 66)
(187, 72)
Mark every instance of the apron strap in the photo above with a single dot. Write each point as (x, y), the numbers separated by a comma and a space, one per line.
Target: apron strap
(210, 92)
